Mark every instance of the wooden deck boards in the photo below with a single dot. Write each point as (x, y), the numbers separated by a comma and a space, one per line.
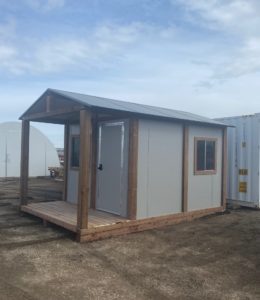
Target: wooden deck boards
(65, 214)
(103, 225)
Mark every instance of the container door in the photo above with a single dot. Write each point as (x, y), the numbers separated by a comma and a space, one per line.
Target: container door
(112, 165)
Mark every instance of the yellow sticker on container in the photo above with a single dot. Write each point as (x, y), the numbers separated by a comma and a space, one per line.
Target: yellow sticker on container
(243, 171)
(242, 187)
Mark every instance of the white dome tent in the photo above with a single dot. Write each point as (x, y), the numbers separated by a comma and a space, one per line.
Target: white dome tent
(42, 152)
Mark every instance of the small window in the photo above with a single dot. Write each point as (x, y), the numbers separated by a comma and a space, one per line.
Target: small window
(74, 158)
(205, 156)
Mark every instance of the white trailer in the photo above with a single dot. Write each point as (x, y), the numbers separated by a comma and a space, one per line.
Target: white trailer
(243, 160)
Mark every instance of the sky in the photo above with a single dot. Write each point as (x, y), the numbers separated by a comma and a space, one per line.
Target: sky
(201, 56)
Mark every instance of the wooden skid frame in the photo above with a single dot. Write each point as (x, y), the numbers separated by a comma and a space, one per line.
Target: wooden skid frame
(103, 225)
(131, 226)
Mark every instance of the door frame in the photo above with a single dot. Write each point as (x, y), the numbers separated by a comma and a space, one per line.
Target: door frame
(132, 164)
(124, 162)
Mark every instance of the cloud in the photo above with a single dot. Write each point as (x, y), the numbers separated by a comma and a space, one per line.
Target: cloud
(37, 5)
(228, 50)
(245, 62)
(7, 29)
(7, 33)
(241, 15)
(53, 4)
(45, 5)
(101, 48)
(238, 21)
(6, 52)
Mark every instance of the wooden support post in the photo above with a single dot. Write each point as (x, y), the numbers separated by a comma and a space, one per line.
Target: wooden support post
(66, 161)
(132, 169)
(24, 171)
(84, 169)
(185, 168)
(94, 162)
(224, 168)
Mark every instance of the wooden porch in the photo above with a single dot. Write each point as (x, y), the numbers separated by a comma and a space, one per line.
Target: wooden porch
(52, 107)
(64, 214)
(102, 224)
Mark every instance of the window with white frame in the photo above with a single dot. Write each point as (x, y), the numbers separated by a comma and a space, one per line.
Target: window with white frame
(205, 156)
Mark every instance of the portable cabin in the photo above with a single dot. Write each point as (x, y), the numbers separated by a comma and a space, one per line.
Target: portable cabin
(42, 152)
(128, 167)
(243, 144)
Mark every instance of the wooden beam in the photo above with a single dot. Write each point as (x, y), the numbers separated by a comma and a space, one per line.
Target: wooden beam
(54, 113)
(130, 226)
(84, 168)
(224, 168)
(66, 160)
(24, 171)
(132, 169)
(94, 162)
(185, 168)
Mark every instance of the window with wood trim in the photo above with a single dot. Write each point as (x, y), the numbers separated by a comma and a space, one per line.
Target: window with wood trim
(205, 156)
(74, 152)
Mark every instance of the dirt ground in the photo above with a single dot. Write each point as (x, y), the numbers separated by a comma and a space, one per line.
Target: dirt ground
(217, 257)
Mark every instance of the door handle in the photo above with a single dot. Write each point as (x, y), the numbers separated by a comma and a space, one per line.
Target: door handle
(100, 167)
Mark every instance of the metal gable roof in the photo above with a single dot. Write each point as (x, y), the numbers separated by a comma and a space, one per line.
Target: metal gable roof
(100, 102)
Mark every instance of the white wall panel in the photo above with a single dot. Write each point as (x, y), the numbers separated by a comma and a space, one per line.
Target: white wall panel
(204, 191)
(159, 188)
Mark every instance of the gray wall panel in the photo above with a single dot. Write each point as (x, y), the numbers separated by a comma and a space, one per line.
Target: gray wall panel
(73, 175)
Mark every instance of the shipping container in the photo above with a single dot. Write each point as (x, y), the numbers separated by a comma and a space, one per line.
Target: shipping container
(243, 160)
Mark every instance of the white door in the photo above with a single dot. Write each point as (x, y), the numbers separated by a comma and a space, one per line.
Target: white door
(112, 168)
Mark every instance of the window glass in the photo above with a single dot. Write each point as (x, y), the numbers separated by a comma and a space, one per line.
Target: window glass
(205, 155)
(74, 160)
(200, 155)
(210, 155)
